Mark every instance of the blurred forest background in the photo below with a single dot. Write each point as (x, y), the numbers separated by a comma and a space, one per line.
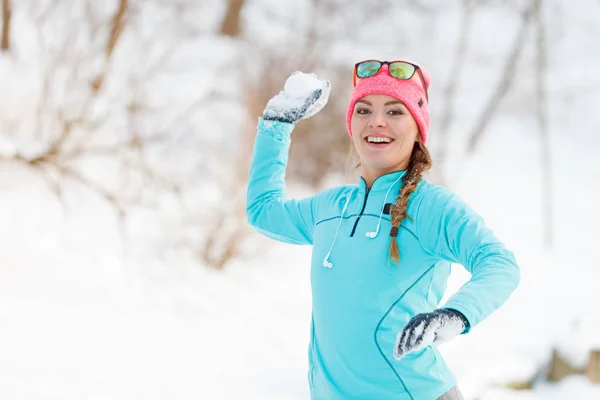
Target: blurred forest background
(126, 133)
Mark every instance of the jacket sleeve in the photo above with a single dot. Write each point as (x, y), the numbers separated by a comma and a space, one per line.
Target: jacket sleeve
(267, 210)
(450, 229)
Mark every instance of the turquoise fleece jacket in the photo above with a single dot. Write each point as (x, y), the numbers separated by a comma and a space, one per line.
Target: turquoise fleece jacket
(360, 298)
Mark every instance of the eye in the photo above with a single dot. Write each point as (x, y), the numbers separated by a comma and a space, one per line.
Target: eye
(363, 111)
(395, 111)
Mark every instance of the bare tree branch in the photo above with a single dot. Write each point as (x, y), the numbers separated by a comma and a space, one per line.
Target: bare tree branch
(227, 231)
(117, 26)
(108, 142)
(506, 80)
(229, 249)
(68, 125)
(118, 23)
(42, 163)
(110, 197)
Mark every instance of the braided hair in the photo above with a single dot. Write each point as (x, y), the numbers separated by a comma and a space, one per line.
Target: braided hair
(420, 162)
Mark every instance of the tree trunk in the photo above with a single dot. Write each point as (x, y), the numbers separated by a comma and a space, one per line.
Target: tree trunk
(6, 14)
(231, 22)
(449, 100)
(507, 79)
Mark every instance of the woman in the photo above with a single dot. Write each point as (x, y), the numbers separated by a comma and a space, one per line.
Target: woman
(382, 248)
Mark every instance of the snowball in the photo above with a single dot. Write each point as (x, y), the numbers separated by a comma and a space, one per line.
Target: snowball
(301, 84)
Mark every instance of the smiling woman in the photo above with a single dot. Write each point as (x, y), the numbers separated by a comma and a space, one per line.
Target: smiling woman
(376, 317)
(385, 133)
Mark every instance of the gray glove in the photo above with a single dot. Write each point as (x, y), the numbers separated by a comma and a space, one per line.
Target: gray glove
(429, 329)
(303, 96)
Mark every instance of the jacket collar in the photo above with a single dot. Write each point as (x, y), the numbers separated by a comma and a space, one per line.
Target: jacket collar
(383, 183)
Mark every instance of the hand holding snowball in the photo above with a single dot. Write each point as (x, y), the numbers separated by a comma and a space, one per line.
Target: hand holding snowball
(303, 96)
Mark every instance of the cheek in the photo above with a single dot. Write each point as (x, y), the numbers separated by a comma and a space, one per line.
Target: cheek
(356, 125)
(407, 129)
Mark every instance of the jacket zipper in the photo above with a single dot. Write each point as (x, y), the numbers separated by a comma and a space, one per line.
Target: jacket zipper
(361, 212)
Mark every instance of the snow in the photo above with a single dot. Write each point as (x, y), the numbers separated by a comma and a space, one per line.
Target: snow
(80, 320)
(301, 84)
(90, 307)
(449, 327)
(304, 95)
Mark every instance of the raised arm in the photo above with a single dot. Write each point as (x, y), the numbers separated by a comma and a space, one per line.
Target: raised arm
(267, 208)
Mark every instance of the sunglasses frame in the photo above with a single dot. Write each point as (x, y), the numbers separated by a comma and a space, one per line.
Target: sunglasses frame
(415, 66)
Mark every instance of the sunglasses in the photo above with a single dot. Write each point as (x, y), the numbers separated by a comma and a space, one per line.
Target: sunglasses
(402, 70)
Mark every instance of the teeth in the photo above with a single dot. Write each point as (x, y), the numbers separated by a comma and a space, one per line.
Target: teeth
(374, 139)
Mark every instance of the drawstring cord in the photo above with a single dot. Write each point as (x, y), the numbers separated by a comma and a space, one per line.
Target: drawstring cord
(326, 262)
(372, 235)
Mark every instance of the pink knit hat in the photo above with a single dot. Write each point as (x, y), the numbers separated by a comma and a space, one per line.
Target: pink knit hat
(409, 92)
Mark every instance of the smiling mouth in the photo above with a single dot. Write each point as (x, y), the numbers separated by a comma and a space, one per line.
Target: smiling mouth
(378, 141)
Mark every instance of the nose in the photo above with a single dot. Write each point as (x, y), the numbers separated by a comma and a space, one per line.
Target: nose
(377, 119)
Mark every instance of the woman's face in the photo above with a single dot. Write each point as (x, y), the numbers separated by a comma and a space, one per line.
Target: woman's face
(384, 134)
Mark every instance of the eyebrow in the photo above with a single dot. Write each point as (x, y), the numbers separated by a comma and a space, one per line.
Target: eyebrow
(386, 104)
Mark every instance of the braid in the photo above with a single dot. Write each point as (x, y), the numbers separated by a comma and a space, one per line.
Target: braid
(420, 162)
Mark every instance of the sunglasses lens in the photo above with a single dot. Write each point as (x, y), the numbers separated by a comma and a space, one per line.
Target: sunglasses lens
(402, 70)
(367, 69)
